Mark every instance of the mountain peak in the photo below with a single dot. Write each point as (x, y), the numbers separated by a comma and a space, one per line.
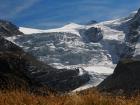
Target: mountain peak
(91, 22)
(72, 25)
(8, 29)
(139, 10)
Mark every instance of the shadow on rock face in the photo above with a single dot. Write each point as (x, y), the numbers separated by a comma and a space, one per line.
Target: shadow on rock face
(8, 29)
(18, 66)
(92, 34)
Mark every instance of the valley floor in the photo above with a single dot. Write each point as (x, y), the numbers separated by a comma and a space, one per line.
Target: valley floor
(90, 97)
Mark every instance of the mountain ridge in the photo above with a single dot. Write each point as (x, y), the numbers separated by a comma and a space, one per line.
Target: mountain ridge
(126, 74)
(72, 46)
(18, 66)
(91, 47)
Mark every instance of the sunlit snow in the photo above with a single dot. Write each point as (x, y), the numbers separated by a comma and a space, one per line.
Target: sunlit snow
(66, 48)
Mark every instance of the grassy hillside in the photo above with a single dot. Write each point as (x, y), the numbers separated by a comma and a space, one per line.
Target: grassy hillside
(90, 97)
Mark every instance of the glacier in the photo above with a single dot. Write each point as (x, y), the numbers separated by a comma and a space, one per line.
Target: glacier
(71, 46)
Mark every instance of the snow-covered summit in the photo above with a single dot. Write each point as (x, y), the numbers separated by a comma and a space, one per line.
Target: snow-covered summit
(30, 30)
(70, 28)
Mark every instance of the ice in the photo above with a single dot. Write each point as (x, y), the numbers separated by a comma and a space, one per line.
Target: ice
(66, 47)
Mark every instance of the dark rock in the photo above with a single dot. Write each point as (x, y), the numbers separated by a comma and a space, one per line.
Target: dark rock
(91, 22)
(18, 66)
(132, 35)
(6, 45)
(8, 29)
(12, 71)
(136, 20)
(93, 34)
(134, 25)
(126, 77)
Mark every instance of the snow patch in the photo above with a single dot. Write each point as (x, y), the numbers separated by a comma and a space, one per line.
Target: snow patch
(100, 69)
(31, 30)
(70, 28)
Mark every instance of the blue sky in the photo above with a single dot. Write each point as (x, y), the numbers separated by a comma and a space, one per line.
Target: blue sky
(46, 14)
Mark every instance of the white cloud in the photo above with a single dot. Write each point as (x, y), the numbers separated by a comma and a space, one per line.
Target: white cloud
(26, 4)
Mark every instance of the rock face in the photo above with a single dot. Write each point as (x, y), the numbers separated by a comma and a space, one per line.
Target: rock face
(91, 22)
(12, 66)
(8, 29)
(132, 36)
(136, 19)
(125, 77)
(12, 74)
(93, 34)
(127, 73)
(14, 59)
(18, 67)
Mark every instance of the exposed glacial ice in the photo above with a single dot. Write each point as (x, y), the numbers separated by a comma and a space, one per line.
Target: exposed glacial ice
(136, 55)
(67, 47)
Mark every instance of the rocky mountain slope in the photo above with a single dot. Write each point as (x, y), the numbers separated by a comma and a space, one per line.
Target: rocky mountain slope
(95, 48)
(18, 67)
(125, 77)
(126, 74)
(8, 29)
